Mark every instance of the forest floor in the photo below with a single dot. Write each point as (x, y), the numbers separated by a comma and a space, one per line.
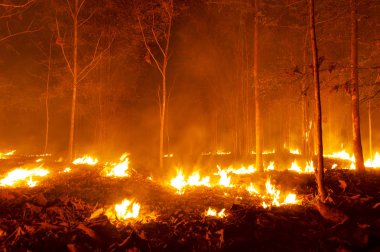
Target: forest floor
(63, 213)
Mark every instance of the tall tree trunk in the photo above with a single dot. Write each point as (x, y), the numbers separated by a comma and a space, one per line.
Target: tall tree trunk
(318, 109)
(370, 129)
(356, 136)
(47, 99)
(162, 117)
(258, 126)
(75, 82)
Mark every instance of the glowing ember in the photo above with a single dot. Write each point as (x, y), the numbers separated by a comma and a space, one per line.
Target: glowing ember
(127, 209)
(67, 170)
(6, 155)
(170, 155)
(86, 160)
(373, 163)
(119, 169)
(334, 166)
(213, 213)
(22, 176)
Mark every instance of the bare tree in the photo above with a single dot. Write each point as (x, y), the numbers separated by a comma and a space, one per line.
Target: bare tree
(318, 119)
(78, 74)
(157, 34)
(258, 122)
(356, 135)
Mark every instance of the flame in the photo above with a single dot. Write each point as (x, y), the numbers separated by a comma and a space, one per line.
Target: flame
(291, 198)
(224, 180)
(212, 212)
(67, 170)
(119, 169)
(6, 155)
(295, 167)
(242, 170)
(294, 151)
(169, 155)
(252, 189)
(373, 163)
(273, 192)
(86, 160)
(309, 167)
(334, 166)
(21, 175)
(270, 167)
(195, 179)
(127, 209)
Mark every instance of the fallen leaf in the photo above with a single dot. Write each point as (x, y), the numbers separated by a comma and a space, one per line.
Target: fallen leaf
(342, 184)
(40, 200)
(331, 214)
(91, 233)
(376, 205)
(71, 247)
(96, 214)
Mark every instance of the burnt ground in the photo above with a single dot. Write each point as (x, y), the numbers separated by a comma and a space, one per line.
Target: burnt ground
(55, 216)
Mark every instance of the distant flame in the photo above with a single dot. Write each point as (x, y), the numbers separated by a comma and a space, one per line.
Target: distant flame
(373, 163)
(179, 182)
(213, 213)
(86, 160)
(6, 155)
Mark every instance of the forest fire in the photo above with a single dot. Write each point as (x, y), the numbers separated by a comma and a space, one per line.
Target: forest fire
(249, 125)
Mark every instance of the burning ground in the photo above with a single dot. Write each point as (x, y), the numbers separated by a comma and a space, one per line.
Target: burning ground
(113, 207)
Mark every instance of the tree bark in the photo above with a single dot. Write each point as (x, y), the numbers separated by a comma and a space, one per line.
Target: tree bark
(47, 99)
(75, 83)
(356, 136)
(318, 109)
(258, 127)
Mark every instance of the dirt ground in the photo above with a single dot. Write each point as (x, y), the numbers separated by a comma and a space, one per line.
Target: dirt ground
(58, 215)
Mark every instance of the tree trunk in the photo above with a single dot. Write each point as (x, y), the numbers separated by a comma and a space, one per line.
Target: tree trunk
(258, 128)
(318, 109)
(370, 129)
(162, 116)
(75, 82)
(47, 99)
(356, 136)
